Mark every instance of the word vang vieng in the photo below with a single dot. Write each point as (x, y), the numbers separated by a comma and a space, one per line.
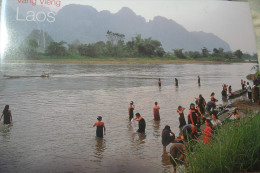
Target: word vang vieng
(56, 3)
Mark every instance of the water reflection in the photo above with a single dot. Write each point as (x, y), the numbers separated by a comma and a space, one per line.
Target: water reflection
(100, 148)
(156, 128)
(165, 159)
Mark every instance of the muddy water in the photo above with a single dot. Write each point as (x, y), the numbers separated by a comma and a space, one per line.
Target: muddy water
(53, 117)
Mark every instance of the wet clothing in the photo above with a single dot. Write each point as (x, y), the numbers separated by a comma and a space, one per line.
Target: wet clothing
(176, 151)
(100, 127)
(181, 119)
(131, 112)
(193, 116)
(167, 137)
(176, 82)
(207, 135)
(141, 125)
(7, 117)
(224, 93)
(156, 112)
(201, 105)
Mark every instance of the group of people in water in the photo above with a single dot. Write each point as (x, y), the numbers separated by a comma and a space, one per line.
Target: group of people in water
(188, 131)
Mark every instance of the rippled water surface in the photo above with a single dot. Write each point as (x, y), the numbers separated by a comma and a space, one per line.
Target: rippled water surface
(53, 117)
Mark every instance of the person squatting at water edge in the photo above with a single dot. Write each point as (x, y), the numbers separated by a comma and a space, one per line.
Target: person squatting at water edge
(177, 152)
(141, 123)
(7, 115)
(100, 126)
(156, 112)
(190, 132)
(131, 110)
(167, 137)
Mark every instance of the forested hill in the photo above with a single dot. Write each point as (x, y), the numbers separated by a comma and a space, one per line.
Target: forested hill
(86, 24)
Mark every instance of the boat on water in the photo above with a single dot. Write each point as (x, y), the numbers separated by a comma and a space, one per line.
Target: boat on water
(236, 94)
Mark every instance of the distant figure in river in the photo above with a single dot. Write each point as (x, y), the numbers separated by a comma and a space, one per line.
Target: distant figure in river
(100, 127)
(207, 132)
(156, 112)
(7, 115)
(141, 123)
(131, 110)
(159, 82)
(167, 137)
(182, 120)
(176, 82)
(45, 74)
(177, 153)
(249, 91)
(199, 80)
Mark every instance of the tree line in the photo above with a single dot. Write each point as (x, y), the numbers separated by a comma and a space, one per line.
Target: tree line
(115, 46)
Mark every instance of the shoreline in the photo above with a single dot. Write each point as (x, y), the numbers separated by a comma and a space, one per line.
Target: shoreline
(123, 61)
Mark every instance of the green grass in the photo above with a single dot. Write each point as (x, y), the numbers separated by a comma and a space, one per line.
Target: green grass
(236, 148)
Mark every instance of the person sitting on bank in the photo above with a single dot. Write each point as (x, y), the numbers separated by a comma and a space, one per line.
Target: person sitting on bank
(141, 123)
(214, 119)
(7, 115)
(156, 111)
(131, 110)
(100, 126)
(177, 153)
(167, 137)
(235, 114)
(190, 132)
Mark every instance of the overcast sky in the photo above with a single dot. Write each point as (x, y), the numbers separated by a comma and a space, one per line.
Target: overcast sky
(231, 21)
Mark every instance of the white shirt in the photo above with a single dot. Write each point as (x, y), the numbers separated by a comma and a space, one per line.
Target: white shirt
(215, 123)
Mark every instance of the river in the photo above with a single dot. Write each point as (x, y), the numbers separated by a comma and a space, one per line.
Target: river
(53, 117)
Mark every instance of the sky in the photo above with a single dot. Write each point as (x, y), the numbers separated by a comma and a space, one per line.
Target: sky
(231, 21)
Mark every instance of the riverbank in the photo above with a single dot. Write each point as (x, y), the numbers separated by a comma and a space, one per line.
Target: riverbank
(143, 60)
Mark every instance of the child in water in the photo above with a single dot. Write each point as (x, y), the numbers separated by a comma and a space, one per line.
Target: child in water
(100, 125)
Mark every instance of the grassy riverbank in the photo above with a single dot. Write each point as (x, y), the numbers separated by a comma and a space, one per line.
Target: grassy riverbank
(236, 148)
(155, 60)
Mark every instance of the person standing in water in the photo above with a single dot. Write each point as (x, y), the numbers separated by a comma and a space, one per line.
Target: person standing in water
(199, 80)
(7, 115)
(141, 123)
(176, 82)
(156, 111)
(100, 127)
(131, 110)
(181, 118)
(159, 82)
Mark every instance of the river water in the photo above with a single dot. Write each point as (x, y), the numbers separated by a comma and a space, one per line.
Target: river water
(53, 117)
